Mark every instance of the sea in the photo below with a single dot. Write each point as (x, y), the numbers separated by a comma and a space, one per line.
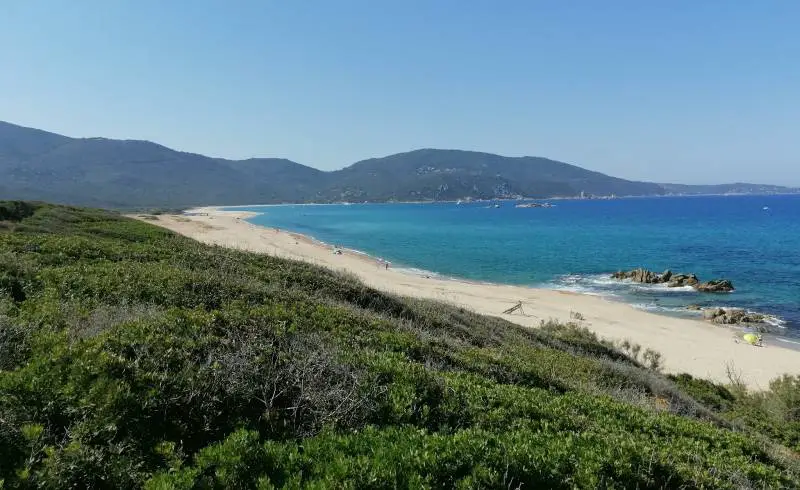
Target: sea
(576, 245)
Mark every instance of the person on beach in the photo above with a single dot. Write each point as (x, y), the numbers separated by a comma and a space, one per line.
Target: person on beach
(386, 264)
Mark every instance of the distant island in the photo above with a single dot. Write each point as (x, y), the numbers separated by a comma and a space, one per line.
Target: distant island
(38, 165)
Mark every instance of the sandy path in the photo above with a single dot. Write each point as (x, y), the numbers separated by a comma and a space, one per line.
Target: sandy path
(691, 346)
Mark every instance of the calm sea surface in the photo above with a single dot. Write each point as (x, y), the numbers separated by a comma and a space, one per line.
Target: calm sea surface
(752, 240)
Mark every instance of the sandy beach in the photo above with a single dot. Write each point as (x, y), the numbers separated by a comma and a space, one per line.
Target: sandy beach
(692, 346)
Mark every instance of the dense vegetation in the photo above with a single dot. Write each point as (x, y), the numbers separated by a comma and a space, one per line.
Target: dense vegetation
(125, 174)
(131, 357)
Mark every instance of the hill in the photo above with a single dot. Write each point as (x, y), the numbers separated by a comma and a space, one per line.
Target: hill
(135, 174)
(126, 173)
(453, 174)
(133, 357)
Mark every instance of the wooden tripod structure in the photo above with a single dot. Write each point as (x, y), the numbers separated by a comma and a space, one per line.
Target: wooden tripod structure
(514, 308)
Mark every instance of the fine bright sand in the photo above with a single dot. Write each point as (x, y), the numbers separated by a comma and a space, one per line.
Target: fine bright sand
(691, 346)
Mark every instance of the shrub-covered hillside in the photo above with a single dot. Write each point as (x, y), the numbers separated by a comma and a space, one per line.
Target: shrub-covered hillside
(133, 357)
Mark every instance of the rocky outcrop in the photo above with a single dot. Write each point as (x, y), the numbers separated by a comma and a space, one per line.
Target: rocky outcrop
(715, 286)
(645, 276)
(732, 316)
(680, 280)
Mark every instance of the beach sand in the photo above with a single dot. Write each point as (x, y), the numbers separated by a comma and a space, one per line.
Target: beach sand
(687, 346)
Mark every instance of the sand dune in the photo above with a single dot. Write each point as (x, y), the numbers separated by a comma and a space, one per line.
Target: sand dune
(690, 346)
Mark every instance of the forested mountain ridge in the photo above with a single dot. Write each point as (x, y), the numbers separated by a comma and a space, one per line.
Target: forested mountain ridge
(102, 172)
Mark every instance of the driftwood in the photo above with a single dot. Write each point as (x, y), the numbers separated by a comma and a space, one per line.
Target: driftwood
(514, 308)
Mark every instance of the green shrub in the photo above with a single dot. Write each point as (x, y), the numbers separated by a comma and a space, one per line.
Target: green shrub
(712, 395)
(16, 210)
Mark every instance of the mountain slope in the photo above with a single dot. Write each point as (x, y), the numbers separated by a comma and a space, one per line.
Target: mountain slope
(17, 142)
(127, 173)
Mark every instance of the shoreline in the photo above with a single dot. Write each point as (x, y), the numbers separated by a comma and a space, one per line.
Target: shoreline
(500, 199)
(773, 321)
(687, 345)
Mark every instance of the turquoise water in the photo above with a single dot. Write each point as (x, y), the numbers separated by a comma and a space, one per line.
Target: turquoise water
(752, 240)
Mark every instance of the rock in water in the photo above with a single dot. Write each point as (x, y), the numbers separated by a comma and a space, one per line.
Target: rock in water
(640, 275)
(680, 280)
(672, 280)
(716, 286)
(712, 313)
(732, 316)
(644, 276)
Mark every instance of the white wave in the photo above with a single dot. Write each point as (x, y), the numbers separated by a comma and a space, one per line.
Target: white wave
(417, 272)
(774, 321)
(666, 309)
(358, 252)
(602, 281)
(598, 280)
(577, 288)
(663, 288)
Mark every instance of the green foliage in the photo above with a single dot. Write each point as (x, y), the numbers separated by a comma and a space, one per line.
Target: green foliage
(774, 412)
(132, 357)
(712, 395)
(652, 359)
(16, 210)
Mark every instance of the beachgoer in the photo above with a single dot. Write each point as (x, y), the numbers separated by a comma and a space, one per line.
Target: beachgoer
(387, 265)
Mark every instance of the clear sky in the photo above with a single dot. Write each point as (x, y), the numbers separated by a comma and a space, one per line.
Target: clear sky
(684, 91)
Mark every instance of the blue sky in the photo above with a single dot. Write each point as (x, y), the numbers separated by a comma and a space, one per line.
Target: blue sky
(690, 92)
